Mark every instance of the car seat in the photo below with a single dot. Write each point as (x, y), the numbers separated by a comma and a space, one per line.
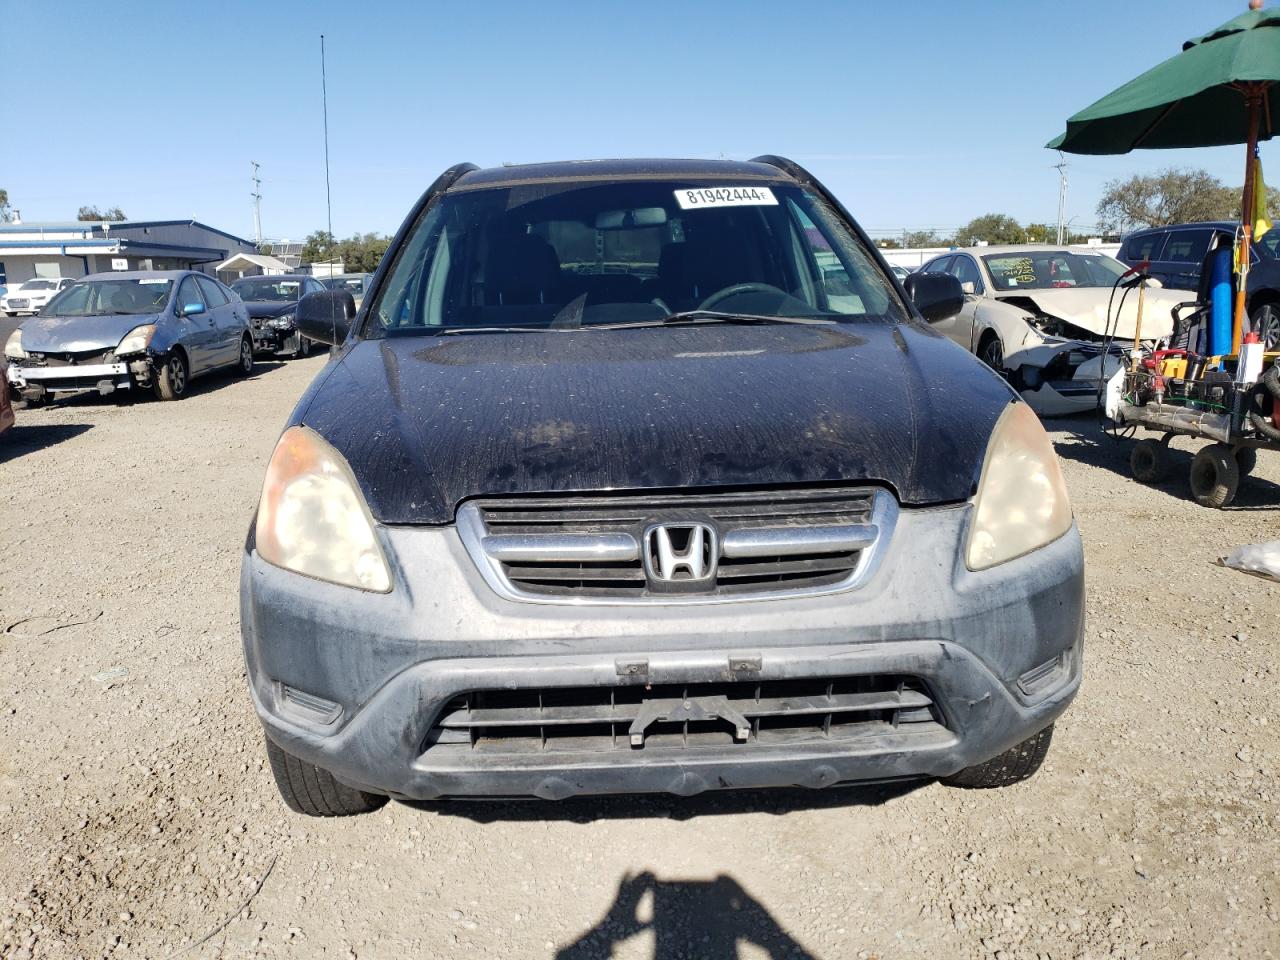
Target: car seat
(522, 269)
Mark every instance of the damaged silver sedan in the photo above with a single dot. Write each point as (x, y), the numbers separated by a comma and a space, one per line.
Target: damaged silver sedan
(1053, 320)
(127, 332)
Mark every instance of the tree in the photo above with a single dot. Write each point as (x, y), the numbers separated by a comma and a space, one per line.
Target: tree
(923, 238)
(991, 227)
(1170, 196)
(6, 212)
(363, 252)
(359, 253)
(114, 214)
(318, 246)
(1040, 233)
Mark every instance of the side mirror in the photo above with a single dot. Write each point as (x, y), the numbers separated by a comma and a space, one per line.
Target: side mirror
(938, 296)
(326, 316)
(192, 309)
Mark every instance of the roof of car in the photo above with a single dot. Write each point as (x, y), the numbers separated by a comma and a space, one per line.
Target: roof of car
(1023, 248)
(618, 169)
(276, 276)
(140, 274)
(1221, 224)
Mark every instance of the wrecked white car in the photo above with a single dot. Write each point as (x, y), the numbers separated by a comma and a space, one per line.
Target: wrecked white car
(1044, 316)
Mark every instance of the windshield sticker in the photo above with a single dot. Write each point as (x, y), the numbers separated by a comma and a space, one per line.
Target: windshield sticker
(154, 280)
(696, 198)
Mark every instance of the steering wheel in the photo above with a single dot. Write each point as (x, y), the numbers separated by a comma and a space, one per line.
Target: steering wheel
(739, 288)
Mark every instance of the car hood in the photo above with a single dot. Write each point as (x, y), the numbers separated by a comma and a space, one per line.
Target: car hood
(44, 334)
(30, 294)
(266, 309)
(426, 422)
(1086, 307)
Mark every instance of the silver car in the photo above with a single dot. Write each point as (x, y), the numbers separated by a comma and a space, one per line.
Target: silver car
(143, 330)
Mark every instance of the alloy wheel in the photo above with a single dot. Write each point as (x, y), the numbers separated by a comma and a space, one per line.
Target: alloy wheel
(992, 354)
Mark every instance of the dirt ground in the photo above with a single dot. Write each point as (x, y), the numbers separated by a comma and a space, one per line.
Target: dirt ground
(138, 816)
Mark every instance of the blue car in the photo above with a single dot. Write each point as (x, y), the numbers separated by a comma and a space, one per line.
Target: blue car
(130, 331)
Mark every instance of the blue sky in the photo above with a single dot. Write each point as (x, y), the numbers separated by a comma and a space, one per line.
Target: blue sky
(921, 114)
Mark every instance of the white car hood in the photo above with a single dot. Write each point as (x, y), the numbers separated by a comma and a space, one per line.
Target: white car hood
(1087, 307)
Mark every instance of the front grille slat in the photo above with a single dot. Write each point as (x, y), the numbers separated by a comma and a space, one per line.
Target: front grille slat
(599, 719)
(592, 547)
(612, 713)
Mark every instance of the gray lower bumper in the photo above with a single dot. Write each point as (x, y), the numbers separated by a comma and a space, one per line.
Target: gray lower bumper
(390, 662)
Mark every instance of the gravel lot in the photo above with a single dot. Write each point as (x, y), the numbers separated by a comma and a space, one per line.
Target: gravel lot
(138, 814)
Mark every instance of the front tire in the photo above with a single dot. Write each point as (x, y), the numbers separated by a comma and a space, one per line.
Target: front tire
(172, 377)
(1266, 324)
(1013, 766)
(308, 789)
(1215, 476)
(244, 366)
(991, 352)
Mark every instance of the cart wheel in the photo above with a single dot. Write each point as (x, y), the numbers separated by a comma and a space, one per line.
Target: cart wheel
(1149, 461)
(1246, 460)
(1215, 476)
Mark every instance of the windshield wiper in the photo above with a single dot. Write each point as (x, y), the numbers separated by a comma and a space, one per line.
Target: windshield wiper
(713, 316)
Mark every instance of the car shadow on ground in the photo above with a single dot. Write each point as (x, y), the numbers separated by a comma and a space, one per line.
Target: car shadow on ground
(706, 919)
(24, 438)
(713, 803)
(1087, 442)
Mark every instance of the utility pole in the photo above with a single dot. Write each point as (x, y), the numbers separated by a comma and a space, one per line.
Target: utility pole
(324, 99)
(257, 204)
(1061, 167)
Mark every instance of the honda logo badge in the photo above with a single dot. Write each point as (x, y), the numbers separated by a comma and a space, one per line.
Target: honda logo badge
(681, 553)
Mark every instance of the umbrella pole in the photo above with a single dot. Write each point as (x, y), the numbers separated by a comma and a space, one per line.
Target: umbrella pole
(1253, 102)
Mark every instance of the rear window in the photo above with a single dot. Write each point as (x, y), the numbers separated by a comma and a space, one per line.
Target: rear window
(557, 254)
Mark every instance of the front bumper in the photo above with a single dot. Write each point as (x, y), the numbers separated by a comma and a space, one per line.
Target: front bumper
(76, 378)
(270, 340)
(388, 663)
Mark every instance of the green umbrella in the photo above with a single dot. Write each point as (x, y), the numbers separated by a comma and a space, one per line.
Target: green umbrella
(1222, 88)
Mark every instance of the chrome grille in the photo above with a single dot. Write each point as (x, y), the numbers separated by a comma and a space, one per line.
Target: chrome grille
(745, 714)
(585, 549)
(19, 304)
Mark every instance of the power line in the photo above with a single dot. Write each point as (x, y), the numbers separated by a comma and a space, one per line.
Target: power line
(1061, 167)
(257, 204)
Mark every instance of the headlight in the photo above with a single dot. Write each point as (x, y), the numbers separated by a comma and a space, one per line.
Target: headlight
(312, 519)
(13, 347)
(1022, 500)
(283, 323)
(136, 340)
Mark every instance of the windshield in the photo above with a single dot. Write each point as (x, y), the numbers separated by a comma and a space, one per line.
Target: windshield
(1268, 245)
(90, 298)
(562, 255)
(38, 285)
(1049, 269)
(268, 288)
(354, 284)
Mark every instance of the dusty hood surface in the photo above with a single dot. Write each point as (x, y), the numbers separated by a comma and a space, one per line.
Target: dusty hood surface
(1087, 307)
(426, 422)
(75, 334)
